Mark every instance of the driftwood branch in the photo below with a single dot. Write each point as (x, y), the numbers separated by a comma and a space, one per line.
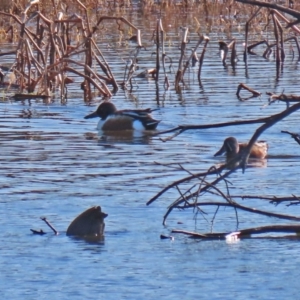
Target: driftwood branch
(243, 233)
(245, 87)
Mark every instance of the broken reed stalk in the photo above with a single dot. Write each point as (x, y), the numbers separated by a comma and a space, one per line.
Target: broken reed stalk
(251, 47)
(202, 57)
(245, 87)
(179, 74)
(105, 67)
(268, 50)
(88, 63)
(88, 29)
(233, 57)
(163, 56)
(158, 24)
(282, 56)
(246, 33)
(225, 48)
(132, 67)
(278, 58)
(187, 64)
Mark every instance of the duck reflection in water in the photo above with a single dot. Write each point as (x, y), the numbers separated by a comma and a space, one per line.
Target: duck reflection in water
(232, 148)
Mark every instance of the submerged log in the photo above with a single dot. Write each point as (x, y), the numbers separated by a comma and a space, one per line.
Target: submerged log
(88, 224)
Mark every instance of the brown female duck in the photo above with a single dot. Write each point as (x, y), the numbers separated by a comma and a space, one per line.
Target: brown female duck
(232, 148)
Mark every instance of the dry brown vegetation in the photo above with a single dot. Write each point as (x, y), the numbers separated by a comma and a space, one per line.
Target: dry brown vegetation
(47, 38)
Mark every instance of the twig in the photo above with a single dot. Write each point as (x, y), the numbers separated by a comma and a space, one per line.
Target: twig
(50, 225)
(202, 57)
(40, 232)
(245, 87)
(241, 207)
(295, 136)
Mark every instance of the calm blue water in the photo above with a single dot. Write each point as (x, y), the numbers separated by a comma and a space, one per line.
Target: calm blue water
(54, 164)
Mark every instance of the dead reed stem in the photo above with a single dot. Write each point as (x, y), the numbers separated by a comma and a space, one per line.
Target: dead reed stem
(179, 75)
(247, 32)
(157, 35)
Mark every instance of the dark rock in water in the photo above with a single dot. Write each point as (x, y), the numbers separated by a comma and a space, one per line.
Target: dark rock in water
(88, 224)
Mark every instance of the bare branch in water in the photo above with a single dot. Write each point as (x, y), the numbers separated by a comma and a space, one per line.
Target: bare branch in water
(245, 87)
(50, 225)
(243, 233)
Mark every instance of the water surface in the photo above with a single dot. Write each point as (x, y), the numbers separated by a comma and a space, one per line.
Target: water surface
(55, 164)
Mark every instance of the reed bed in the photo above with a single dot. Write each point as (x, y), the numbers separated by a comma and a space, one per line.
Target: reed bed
(47, 37)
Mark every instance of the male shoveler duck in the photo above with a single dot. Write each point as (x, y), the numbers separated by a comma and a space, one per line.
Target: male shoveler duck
(112, 119)
(232, 148)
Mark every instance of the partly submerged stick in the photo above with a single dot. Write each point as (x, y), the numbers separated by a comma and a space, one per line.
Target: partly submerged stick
(243, 233)
(50, 225)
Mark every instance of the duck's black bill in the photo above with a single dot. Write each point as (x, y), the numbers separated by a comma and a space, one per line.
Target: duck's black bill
(221, 151)
(92, 115)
